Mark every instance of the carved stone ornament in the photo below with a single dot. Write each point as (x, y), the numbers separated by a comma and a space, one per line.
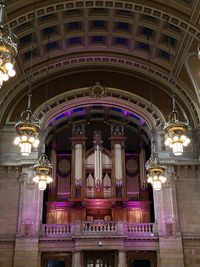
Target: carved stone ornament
(27, 179)
(78, 130)
(97, 90)
(117, 130)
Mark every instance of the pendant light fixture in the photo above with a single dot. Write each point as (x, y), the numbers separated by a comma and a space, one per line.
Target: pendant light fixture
(8, 49)
(42, 172)
(43, 168)
(155, 172)
(28, 125)
(176, 132)
(27, 128)
(155, 169)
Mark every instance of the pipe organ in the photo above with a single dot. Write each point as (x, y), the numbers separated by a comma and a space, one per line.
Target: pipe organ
(105, 180)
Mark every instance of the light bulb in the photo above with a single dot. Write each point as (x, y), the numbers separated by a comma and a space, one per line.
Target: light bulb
(183, 137)
(186, 142)
(31, 139)
(24, 138)
(49, 179)
(11, 72)
(149, 180)
(17, 140)
(36, 143)
(155, 177)
(163, 179)
(5, 77)
(175, 138)
(8, 65)
(36, 179)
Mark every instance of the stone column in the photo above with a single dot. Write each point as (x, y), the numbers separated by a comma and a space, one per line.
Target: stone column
(29, 220)
(78, 161)
(122, 258)
(76, 259)
(170, 240)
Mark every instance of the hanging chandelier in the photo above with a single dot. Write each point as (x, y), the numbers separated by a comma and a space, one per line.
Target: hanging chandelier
(8, 49)
(27, 128)
(155, 172)
(42, 170)
(176, 132)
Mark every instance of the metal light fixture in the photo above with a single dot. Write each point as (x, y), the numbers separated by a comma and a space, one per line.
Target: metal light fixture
(176, 132)
(27, 127)
(42, 170)
(155, 172)
(8, 49)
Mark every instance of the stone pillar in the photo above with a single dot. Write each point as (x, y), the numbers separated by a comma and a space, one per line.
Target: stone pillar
(29, 220)
(122, 258)
(118, 160)
(76, 259)
(78, 159)
(170, 240)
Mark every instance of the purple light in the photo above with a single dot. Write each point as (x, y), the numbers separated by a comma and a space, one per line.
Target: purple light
(125, 113)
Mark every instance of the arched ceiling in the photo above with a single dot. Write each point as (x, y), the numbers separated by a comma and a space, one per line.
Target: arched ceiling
(136, 41)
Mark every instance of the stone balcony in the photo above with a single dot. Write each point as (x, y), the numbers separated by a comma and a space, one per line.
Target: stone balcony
(99, 228)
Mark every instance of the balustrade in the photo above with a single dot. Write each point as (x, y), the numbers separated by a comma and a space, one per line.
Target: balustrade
(57, 229)
(140, 228)
(97, 228)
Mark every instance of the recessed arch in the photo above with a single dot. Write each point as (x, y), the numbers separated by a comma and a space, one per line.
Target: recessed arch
(151, 115)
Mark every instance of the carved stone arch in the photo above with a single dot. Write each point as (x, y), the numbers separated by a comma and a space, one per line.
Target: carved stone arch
(10, 96)
(151, 115)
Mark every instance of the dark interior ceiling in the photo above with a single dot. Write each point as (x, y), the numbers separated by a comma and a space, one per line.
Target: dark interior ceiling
(137, 46)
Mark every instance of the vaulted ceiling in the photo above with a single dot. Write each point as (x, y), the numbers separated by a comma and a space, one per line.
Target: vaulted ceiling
(148, 48)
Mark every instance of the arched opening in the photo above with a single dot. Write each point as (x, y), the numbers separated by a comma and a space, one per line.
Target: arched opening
(65, 201)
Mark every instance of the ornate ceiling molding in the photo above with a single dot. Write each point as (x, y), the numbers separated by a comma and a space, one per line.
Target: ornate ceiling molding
(16, 88)
(125, 5)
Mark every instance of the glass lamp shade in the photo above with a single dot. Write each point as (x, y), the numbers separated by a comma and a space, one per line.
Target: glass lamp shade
(155, 173)
(27, 128)
(25, 148)
(42, 185)
(176, 133)
(8, 52)
(157, 185)
(42, 171)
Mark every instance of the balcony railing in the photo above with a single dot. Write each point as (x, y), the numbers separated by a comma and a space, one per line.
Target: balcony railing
(140, 229)
(52, 230)
(97, 228)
